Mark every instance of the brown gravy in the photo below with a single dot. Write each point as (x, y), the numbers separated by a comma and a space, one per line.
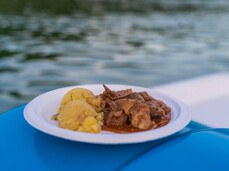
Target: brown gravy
(129, 128)
(121, 129)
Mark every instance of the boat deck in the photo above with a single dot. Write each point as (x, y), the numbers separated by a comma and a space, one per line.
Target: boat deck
(207, 96)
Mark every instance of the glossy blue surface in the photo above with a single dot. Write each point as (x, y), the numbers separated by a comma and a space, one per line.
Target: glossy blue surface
(23, 147)
(205, 150)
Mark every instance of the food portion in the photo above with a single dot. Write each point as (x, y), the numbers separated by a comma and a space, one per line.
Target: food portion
(121, 111)
(82, 94)
(127, 111)
(80, 111)
(78, 115)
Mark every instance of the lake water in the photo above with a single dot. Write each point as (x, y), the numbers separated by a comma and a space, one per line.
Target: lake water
(46, 45)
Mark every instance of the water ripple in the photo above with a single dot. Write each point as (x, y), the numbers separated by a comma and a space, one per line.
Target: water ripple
(44, 47)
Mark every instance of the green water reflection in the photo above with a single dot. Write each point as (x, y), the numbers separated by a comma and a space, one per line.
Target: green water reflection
(47, 44)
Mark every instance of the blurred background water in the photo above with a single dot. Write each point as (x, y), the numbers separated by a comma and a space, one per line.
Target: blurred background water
(48, 44)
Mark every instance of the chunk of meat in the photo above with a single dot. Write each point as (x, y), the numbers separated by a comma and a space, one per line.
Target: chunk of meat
(114, 95)
(140, 116)
(117, 118)
(113, 113)
(105, 108)
(122, 94)
(112, 105)
(136, 96)
(155, 111)
(108, 91)
(153, 125)
(146, 96)
(158, 110)
(155, 104)
(126, 104)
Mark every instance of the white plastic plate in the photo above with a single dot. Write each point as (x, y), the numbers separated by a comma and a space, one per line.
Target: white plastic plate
(39, 111)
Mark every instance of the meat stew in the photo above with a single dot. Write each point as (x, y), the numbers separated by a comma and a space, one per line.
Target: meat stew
(126, 111)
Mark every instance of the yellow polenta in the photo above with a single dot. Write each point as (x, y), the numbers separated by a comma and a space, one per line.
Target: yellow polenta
(80, 110)
(78, 115)
(83, 95)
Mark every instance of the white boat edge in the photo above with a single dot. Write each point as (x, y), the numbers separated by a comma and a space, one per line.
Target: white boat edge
(207, 96)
